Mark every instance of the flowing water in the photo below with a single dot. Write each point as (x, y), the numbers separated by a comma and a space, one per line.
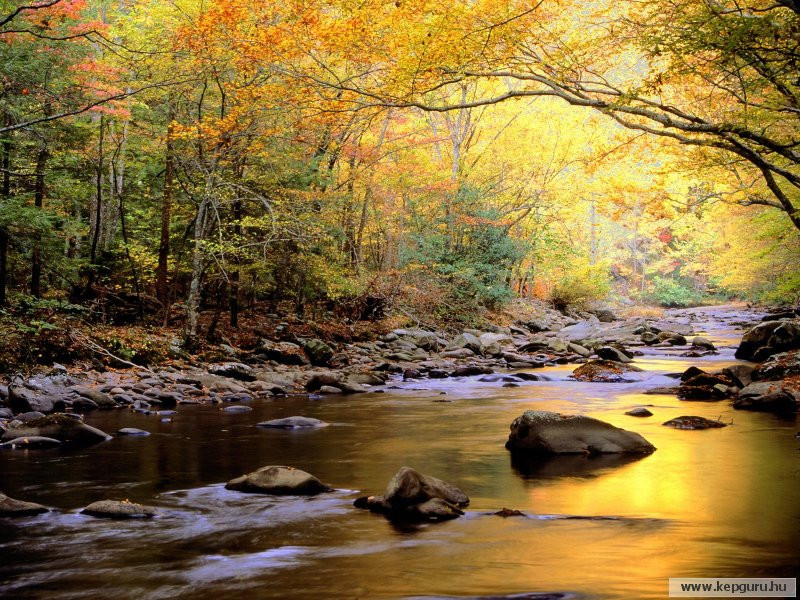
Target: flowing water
(715, 503)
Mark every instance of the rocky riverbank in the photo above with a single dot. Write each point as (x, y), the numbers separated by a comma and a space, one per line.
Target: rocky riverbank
(603, 345)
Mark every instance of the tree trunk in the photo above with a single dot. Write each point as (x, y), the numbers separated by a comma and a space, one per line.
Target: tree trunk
(38, 202)
(96, 221)
(234, 278)
(5, 195)
(193, 301)
(162, 288)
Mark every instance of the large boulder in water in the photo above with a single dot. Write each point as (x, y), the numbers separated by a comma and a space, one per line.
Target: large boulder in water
(65, 428)
(280, 481)
(409, 487)
(544, 432)
(776, 402)
(766, 339)
(412, 496)
(9, 507)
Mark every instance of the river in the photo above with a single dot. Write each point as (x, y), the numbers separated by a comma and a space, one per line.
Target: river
(714, 503)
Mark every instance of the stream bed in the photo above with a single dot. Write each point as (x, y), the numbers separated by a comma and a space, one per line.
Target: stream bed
(714, 503)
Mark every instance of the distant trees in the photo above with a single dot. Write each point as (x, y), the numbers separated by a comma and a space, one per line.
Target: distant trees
(164, 158)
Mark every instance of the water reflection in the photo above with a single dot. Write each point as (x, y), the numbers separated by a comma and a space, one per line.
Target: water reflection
(546, 467)
(720, 502)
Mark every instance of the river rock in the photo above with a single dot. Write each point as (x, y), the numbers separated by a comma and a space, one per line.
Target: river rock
(318, 352)
(606, 371)
(613, 354)
(279, 481)
(22, 400)
(766, 339)
(9, 507)
(741, 375)
(649, 338)
(761, 388)
(100, 399)
(471, 370)
(412, 496)
(62, 427)
(701, 342)
(296, 422)
(465, 340)
(237, 409)
(427, 340)
(320, 379)
(775, 402)
(285, 353)
(639, 411)
(132, 431)
(692, 422)
(234, 370)
(493, 343)
(584, 330)
(329, 390)
(409, 487)
(778, 366)
(544, 432)
(115, 509)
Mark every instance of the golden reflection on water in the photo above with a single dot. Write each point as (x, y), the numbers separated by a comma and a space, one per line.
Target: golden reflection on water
(721, 502)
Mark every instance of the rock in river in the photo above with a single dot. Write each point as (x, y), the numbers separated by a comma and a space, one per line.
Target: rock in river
(132, 431)
(692, 422)
(775, 402)
(280, 481)
(766, 339)
(115, 509)
(606, 371)
(293, 423)
(9, 507)
(639, 411)
(412, 496)
(545, 432)
(61, 427)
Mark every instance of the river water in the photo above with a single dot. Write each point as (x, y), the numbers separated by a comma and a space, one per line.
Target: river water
(715, 503)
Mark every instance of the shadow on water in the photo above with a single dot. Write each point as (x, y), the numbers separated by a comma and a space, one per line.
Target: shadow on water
(533, 466)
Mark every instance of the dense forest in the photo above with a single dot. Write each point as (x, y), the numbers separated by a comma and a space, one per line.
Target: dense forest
(187, 163)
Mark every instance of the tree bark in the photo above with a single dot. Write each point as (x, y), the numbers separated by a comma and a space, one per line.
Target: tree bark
(38, 202)
(162, 288)
(5, 195)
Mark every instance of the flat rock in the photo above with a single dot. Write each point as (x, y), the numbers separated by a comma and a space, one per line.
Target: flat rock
(237, 409)
(115, 509)
(296, 422)
(279, 481)
(132, 431)
(693, 422)
(9, 507)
